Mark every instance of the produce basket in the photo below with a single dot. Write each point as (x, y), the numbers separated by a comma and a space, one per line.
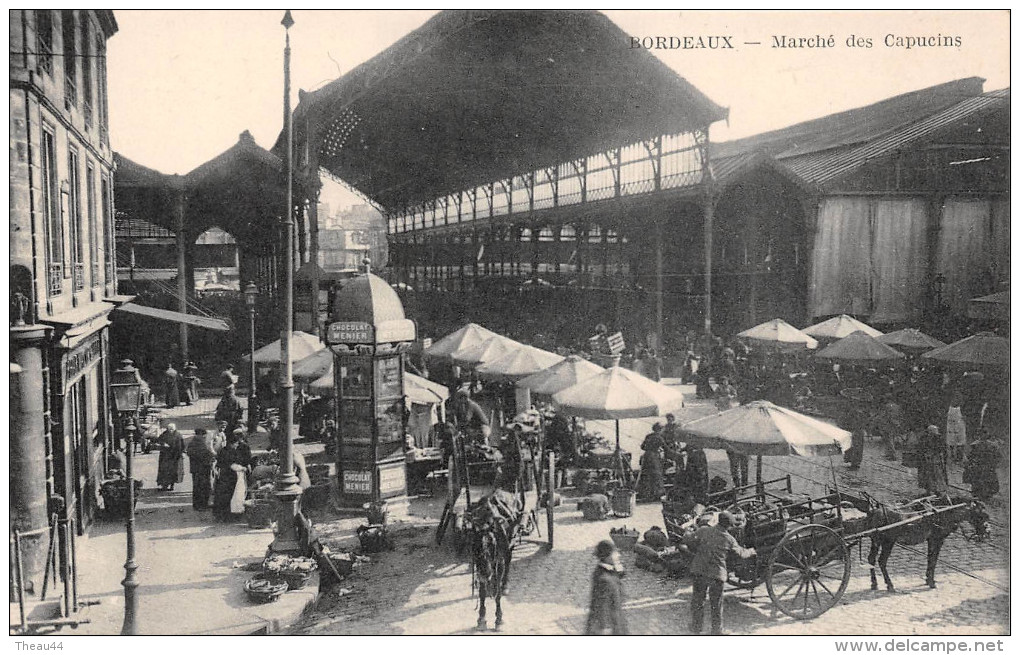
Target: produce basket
(624, 538)
(263, 588)
(622, 501)
(295, 571)
(258, 513)
(115, 497)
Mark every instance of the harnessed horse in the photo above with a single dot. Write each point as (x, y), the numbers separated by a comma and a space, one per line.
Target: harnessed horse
(940, 517)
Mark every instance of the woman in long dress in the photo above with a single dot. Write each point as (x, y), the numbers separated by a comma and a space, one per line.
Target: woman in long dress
(236, 452)
(171, 393)
(650, 487)
(980, 471)
(932, 461)
(171, 458)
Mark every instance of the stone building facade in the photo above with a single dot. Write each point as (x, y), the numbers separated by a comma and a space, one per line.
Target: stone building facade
(62, 277)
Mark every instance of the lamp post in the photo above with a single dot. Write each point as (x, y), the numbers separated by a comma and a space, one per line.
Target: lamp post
(287, 489)
(126, 388)
(251, 293)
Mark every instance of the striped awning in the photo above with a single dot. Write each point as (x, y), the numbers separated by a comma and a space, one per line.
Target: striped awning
(176, 317)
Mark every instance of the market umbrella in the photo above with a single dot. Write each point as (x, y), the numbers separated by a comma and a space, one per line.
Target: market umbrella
(981, 349)
(910, 340)
(859, 347)
(994, 307)
(314, 366)
(617, 393)
(839, 327)
(486, 351)
(761, 428)
(778, 332)
(518, 364)
(470, 335)
(302, 345)
(556, 378)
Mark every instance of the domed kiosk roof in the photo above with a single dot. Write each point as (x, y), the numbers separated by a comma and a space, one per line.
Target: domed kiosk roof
(367, 300)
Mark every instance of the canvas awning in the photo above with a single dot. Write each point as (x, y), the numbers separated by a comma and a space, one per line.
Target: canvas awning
(206, 322)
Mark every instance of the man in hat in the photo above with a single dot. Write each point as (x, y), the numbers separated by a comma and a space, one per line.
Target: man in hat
(228, 378)
(710, 545)
(201, 457)
(606, 611)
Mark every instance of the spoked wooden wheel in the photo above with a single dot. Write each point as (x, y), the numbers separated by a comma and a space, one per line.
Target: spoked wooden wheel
(808, 572)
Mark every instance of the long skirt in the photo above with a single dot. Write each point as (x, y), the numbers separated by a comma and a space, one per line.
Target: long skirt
(171, 469)
(172, 395)
(223, 490)
(956, 428)
(650, 486)
(931, 473)
(201, 485)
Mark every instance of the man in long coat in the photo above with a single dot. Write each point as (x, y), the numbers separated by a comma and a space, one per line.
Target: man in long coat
(171, 458)
(201, 457)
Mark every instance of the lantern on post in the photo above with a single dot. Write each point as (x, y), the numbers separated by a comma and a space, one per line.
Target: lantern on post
(126, 387)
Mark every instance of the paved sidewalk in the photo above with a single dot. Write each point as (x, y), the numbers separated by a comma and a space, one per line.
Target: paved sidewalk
(189, 566)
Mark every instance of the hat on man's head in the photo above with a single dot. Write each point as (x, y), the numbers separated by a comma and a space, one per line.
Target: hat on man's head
(726, 520)
(604, 549)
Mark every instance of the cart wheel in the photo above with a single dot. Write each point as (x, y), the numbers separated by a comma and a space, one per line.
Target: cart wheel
(808, 572)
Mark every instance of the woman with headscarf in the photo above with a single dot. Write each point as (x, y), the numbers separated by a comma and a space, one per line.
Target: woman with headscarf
(650, 486)
(932, 461)
(171, 458)
(235, 459)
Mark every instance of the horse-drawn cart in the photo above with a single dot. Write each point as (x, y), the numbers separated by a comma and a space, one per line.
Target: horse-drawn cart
(803, 544)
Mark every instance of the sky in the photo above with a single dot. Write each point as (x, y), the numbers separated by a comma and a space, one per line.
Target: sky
(184, 84)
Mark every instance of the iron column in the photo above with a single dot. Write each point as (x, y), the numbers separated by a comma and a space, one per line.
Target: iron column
(287, 489)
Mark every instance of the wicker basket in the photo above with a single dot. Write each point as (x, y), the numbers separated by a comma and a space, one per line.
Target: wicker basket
(625, 540)
(263, 588)
(258, 513)
(623, 502)
(115, 498)
(295, 579)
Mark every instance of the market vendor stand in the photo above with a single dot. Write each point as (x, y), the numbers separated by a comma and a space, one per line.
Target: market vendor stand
(615, 394)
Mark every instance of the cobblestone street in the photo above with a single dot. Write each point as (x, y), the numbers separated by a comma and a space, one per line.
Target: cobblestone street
(421, 588)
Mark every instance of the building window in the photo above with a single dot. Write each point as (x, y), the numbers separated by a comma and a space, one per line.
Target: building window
(86, 72)
(70, 59)
(101, 100)
(74, 218)
(93, 232)
(51, 214)
(107, 200)
(44, 40)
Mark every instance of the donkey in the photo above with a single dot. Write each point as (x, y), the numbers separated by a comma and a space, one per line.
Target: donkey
(933, 528)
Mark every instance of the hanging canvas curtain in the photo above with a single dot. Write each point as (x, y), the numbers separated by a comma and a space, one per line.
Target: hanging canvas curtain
(1000, 242)
(965, 259)
(841, 261)
(899, 260)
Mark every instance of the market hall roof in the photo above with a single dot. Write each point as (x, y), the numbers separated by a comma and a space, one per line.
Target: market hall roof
(475, 96)
(241, 190)
(822, 150)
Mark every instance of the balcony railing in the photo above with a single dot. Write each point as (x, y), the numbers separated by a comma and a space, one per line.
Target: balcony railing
(56, 279)
(79, 276)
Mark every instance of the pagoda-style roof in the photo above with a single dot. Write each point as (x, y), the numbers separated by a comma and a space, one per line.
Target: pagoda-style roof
(475, 96)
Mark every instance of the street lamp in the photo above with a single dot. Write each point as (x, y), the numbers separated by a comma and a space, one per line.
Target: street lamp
(288, 491)
(126, 387)
(251, 293)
